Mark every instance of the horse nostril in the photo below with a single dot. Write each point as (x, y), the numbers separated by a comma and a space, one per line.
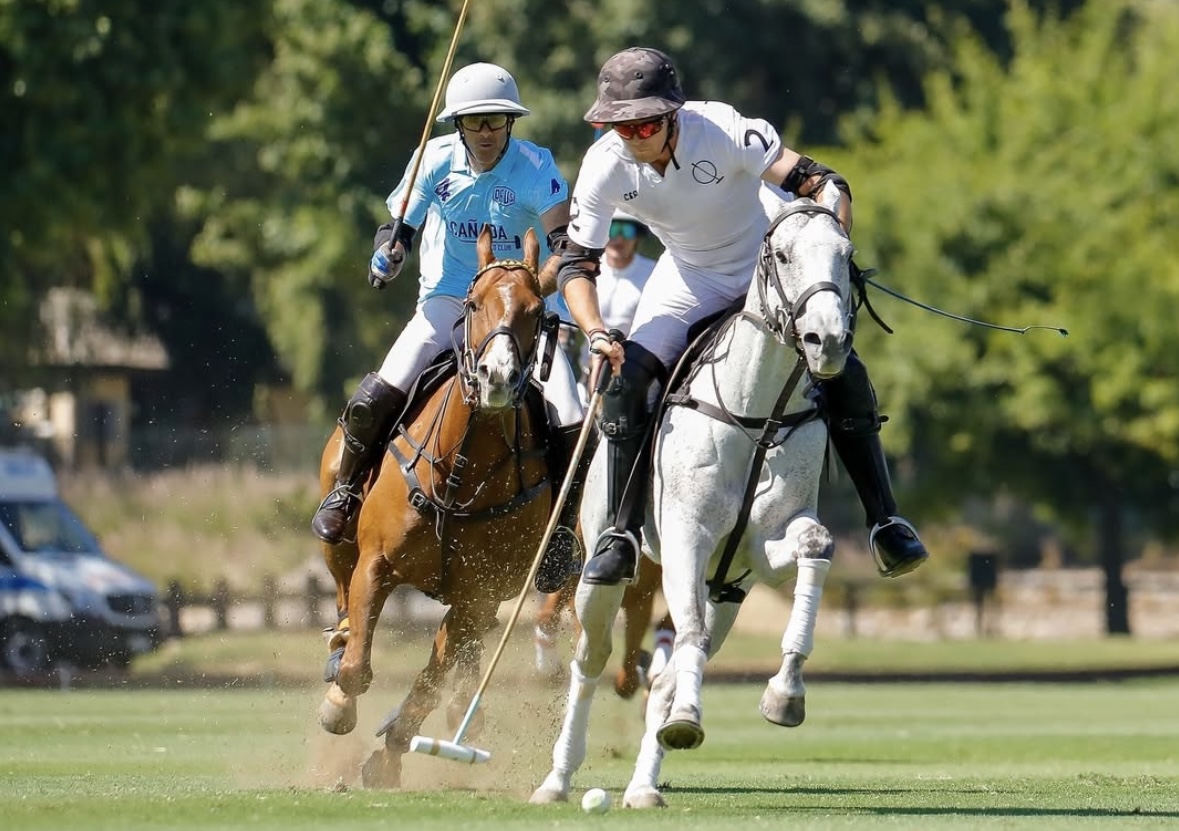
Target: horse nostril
(812, 339)
(483, 373)
(513, 378)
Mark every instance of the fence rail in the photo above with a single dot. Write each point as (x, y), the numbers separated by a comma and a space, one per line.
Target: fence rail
(280, 605)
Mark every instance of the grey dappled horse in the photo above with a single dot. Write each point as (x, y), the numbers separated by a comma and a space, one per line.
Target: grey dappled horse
(796, 319)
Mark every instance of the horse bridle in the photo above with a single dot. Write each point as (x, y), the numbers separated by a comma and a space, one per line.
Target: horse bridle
(468, 356)
(783, 324)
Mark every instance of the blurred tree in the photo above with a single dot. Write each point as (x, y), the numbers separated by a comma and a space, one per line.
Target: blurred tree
(105, 104)
(1040, 189)
(304, 167)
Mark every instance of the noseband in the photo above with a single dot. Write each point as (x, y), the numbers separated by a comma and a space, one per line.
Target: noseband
(468, 356)
(783, 323)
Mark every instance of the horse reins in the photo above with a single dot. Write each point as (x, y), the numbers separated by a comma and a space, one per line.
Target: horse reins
(445, 505)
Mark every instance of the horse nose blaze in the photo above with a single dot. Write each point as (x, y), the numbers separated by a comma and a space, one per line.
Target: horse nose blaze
(499, 366)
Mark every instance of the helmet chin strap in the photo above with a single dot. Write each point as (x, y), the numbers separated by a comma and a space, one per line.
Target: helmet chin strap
(673, 122)
(471, 155)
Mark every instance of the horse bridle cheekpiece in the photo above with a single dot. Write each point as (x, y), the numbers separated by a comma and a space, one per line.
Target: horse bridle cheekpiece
(784, 323)
(468, 356)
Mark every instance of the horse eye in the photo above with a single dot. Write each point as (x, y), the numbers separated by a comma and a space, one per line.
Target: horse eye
(781, 256)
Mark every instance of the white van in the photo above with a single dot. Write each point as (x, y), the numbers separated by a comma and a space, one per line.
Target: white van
(62, 599)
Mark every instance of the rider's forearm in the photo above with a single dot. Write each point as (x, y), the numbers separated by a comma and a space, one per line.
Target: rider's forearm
(581, 295)
(548, 275)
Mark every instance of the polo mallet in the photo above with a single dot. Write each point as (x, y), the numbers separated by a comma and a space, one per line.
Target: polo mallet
(454, 749)
(399, 220)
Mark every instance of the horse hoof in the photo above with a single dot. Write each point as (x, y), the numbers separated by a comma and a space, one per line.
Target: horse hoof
(783, 710)
(644, 797)
(681, 733)
(626, 684)
(337, 711)
(547, 796)
(381, 770)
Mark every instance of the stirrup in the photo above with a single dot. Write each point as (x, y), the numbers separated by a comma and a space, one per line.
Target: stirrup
(897, 562)
(607, 567)
(562, 560)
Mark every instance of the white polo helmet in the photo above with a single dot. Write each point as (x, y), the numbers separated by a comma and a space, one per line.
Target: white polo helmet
(482, 88)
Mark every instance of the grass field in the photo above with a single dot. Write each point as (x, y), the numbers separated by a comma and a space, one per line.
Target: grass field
(871, 756)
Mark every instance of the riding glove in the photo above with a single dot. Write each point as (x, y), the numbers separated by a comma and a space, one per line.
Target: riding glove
(385, 265)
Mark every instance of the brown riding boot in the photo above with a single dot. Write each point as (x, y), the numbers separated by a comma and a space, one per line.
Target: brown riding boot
(369, 418)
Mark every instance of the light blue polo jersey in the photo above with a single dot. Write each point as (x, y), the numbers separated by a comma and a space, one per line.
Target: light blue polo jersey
(450, 204)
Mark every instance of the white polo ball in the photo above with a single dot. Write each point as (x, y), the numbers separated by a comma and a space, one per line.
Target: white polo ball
(595, 801)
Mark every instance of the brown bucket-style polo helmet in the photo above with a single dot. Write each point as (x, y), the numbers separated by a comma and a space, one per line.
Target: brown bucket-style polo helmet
(637, 83)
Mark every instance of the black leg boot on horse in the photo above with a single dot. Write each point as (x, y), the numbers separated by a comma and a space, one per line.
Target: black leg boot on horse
(854, 422)
(368, 419)
(562, 559)
(624, 422)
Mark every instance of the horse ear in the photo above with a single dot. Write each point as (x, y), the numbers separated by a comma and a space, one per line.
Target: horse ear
(831, 197)
(486, 255)
(531, 249)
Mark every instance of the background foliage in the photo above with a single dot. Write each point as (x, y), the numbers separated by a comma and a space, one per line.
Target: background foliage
(215, 171)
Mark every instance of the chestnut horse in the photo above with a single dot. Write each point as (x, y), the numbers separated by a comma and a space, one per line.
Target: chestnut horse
(457, 509)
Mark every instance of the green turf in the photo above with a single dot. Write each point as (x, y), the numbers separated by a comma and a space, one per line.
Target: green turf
(298, 655)
(1042, 756)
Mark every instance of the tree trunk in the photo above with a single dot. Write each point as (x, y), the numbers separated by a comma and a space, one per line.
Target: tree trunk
(1109, 541)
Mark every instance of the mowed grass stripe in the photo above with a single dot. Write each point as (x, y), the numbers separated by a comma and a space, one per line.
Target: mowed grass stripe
(1044, 756)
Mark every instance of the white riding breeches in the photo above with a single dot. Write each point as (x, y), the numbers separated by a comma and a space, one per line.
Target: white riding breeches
(675, 298)
(428, 333)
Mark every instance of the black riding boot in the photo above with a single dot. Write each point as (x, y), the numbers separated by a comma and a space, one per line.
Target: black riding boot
(855, 431)
(368, 419)
(562, 558)
(624, 424)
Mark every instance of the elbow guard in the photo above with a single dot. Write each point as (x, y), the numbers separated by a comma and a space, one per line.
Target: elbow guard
(577, 261)
(558, 239)
(808, 167)
(405, 235)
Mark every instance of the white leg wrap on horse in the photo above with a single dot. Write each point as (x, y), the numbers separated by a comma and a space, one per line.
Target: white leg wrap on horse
(808, 590)
(689, 667)
(688, 663)
(570, 748)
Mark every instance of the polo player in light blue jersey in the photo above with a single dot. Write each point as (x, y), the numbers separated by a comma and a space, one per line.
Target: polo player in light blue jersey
(477, 175)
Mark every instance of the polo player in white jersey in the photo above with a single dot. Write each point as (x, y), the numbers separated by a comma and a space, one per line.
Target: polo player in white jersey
(695, 173)
(477, 175)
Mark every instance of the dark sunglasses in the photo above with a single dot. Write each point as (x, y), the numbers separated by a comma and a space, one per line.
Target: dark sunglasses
(626, 230)
(642, 130)
(475, 123)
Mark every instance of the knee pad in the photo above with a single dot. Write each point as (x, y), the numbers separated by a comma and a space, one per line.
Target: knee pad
(624, 405)
(850, 400)
(370, 404)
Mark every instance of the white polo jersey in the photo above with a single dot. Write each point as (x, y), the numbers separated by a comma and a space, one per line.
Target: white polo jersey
(708, 212)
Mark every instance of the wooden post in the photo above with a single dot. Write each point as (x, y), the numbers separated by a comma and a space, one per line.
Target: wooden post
(312, 600)
(174, 602)
(851, 604)
(221, 603)
(269, 596)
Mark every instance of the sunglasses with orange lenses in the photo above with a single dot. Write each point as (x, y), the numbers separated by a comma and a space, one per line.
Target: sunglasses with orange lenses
(476, 122)
(641, 130)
